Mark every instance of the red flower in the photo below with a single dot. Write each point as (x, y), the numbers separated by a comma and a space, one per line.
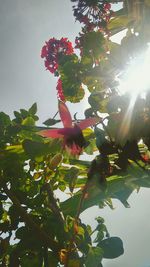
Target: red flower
(107, 6)
(52, 50)
(72, 135)
(60, 90)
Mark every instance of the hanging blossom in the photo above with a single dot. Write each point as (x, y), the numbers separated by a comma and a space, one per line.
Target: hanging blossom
(51, 52)
(73, 139)
(53, 49)
(92, 13)
(59, 89)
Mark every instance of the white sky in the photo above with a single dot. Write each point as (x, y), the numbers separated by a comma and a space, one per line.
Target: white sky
(24, 27)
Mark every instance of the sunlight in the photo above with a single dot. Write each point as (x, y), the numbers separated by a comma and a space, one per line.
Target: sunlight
(124, 130)
(137, 78)
(135, 82)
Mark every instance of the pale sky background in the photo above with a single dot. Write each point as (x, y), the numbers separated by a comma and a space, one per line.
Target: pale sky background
(24, 27)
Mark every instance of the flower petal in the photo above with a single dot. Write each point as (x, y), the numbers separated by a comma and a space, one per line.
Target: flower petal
(65, 114)
(88, 122)
(52, 133)
(74, 149)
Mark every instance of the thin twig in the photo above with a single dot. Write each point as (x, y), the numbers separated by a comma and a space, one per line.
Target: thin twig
(55, 115)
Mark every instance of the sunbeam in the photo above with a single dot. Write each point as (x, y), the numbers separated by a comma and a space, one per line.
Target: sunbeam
(136, 80)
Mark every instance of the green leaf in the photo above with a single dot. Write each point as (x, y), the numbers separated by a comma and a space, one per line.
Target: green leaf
(92, 42)
(119, 22)
(30, 260)
(55, 161)
(94, 101)
(88, 112)
(3, 197)
(24, 113)
(29, 121)
(50, 122)
(55, 146)
(35, 149)
(98, 101)
(91, 147)
(5, 226)
(94, 256)
(74, 263)
(71, 81)
(80, 231)
(99, 219)
(17, 115)
(21, 232)
(80, 163)
(33, 109)
(53, 262)
(99, 237)
(15, 149)
(112, 247)
(12, 165)
(71, 176)
(4, 120)
(69, 223)
(37, 175)
(35, 117)
(88, 132)
(118, 187)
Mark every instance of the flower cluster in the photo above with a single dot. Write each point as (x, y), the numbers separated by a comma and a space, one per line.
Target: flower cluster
(92, 13)
(59, 89)
(52, 51)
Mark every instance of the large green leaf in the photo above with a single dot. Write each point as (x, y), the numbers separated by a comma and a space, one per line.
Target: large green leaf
(112, 247)
(119, 187)
(35, 149)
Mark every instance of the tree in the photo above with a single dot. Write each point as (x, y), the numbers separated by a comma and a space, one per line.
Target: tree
(36, 161)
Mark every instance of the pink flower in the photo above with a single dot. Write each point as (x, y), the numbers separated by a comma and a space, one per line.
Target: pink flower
(73, 139)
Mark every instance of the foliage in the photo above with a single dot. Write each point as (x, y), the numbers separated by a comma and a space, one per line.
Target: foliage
(36, 227)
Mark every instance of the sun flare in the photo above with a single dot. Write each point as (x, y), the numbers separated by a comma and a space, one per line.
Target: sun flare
(136, 80)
